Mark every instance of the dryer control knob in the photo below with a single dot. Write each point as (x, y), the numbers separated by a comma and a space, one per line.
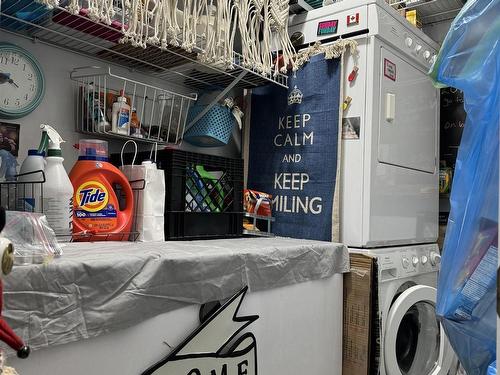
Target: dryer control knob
(424, 259)
(418, 48)
(414, 261)
(435, 259)
(408, 42)
(405, 262)
(433, 59)
(427, 55)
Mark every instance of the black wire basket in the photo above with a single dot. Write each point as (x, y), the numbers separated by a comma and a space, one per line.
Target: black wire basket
(25, 194)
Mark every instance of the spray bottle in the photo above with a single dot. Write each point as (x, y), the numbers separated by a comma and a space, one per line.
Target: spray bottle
(57, 189)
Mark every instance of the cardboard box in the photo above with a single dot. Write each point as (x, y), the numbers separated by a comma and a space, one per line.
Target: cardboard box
(359, 312)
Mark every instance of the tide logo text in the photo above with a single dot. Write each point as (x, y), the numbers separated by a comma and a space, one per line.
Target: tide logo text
(91, 196)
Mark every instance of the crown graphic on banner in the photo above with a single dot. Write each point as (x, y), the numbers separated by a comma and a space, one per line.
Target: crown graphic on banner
(295, 96)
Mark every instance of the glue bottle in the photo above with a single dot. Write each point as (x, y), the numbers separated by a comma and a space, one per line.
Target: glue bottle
(121, 115)
(57, 189)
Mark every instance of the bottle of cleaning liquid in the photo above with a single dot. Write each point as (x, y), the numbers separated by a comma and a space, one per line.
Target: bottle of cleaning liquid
(57, 189)
(31, 177)
(96, 114)
(135, 125)
(97, 209)
(121, 115)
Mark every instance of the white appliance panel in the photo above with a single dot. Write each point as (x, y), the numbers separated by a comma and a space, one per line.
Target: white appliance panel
(352, 185)
(402, 202)
(408, 132)
(400, 34)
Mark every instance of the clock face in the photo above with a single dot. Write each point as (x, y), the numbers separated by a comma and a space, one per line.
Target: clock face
(21, 82)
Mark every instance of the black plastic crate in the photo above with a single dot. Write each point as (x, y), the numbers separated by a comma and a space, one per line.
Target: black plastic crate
(204, 194)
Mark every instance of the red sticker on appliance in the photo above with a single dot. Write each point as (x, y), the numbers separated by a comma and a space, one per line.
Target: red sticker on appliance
(353, 19)
(389, 69)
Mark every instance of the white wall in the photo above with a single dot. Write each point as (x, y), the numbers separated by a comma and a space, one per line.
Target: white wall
(58, 105)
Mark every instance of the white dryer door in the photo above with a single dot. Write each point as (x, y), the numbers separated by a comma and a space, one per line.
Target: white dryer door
(415, 342)
(409, 120)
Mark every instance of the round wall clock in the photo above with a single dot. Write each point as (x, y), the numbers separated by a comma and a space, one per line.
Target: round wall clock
(22, 84)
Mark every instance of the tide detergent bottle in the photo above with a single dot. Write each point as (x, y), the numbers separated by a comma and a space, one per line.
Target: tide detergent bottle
(98, 213)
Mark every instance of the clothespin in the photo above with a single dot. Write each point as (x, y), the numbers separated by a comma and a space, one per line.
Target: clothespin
(352, 76)
(346, 103)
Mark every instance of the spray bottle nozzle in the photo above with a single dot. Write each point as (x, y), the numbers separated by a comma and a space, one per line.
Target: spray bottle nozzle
(51, 141)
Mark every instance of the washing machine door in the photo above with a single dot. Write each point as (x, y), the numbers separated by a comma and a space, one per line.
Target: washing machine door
(415, 342)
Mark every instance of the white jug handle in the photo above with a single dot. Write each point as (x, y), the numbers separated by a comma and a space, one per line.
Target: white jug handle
(123, 148)
(155, 149)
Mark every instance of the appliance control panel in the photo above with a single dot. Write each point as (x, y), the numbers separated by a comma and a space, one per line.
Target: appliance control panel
(405, 37)
(409, 261)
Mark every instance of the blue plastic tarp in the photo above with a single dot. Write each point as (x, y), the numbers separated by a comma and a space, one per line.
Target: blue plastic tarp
(469, 60)
(492, 369)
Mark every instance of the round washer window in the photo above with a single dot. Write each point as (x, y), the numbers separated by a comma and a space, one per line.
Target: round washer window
(417, 340)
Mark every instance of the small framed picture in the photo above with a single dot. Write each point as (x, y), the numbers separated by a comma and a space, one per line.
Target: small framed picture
(9, 137)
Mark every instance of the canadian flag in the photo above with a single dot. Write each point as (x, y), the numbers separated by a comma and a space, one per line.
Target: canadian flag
(353, 19)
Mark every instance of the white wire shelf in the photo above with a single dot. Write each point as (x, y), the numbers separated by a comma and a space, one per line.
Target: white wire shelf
(160, 114)
(430, 11)
(77, 33)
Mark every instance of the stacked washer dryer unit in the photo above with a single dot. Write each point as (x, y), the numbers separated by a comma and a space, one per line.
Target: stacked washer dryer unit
(389, 185)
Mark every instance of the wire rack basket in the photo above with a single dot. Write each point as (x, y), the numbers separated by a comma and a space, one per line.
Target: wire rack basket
(261, 225)
(156, 115)
(25, 194)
